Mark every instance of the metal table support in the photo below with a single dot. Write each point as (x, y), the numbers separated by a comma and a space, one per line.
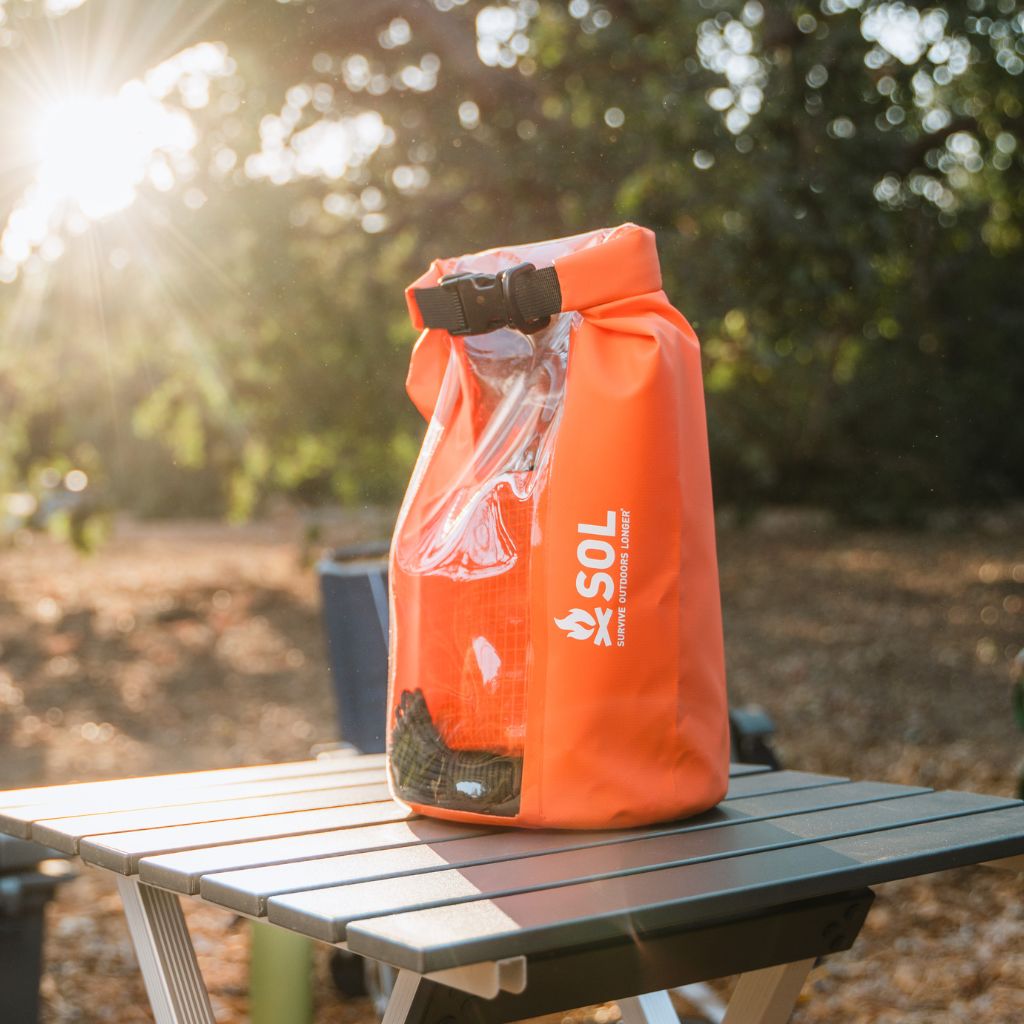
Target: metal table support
(774, 950)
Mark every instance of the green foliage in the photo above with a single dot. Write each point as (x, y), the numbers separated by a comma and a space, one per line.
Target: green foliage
(837, 191)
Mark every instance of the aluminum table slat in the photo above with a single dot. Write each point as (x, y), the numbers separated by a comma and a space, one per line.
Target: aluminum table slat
(778, 782)
(326, 913)
(736, 770)
(142, 796)
(680, 897)
(122, 852)
(21, 809)
(65, 834)
(16, 798)
(247, 890)
(181, 871)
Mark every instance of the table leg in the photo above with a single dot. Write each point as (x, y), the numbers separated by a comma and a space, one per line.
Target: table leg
(380, 983)
(652, 1008)
(701, 995)
(165, 953)
(401, 1005)
(769, 995)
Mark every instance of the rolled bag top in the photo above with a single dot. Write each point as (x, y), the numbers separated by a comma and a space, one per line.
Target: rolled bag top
(602, 266)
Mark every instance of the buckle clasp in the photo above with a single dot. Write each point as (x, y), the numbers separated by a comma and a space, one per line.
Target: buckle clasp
(489, 301)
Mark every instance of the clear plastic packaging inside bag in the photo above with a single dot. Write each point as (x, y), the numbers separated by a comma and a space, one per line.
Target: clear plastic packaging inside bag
(458, 739)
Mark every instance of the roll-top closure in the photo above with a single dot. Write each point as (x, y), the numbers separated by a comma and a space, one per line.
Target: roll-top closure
(592, 269)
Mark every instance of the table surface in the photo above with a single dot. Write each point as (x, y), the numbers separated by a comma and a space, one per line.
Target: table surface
(320, 848)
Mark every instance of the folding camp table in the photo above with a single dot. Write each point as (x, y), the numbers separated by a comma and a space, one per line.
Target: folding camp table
(493, 926)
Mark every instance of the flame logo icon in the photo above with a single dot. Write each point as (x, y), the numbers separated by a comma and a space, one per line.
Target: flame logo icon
(579, 624)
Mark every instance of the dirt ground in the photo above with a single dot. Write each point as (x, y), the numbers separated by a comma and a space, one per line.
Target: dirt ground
(193, 646)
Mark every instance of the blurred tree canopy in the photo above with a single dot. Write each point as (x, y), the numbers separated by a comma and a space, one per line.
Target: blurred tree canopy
(837, 189)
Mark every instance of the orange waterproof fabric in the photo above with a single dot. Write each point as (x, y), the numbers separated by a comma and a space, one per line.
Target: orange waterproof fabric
(554, 582)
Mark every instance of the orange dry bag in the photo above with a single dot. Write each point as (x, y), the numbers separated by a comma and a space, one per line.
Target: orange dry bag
(556, 638)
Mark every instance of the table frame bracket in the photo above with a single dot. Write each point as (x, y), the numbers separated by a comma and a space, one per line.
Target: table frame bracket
(486, 979)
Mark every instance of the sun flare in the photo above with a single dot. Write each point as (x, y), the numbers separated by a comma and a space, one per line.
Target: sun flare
(93, 151)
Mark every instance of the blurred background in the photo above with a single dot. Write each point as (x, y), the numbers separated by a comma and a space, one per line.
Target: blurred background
(208, 212)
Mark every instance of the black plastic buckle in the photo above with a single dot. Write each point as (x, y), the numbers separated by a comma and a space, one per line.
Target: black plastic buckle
(508, 279)
(482, 301)
(488, 301)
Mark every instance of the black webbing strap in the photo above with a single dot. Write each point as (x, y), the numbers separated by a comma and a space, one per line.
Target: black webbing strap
(441, 307)
(521, 297)
(539, 294)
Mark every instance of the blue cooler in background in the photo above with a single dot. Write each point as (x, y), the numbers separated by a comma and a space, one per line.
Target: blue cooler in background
(354, 590)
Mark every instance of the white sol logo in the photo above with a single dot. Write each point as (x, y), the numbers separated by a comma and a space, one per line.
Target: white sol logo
(594, 553)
